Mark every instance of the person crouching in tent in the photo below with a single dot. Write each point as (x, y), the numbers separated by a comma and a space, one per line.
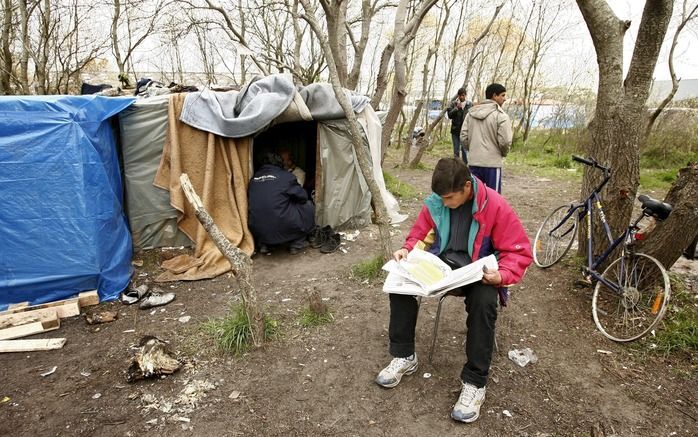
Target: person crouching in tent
(279, 209)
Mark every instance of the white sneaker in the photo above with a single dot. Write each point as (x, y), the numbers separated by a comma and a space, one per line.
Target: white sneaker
(391, 375)
(467, 409)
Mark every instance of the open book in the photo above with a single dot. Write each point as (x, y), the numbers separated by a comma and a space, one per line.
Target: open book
(424, 274)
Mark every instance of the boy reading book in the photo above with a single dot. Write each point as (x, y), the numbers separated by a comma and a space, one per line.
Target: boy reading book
(469, 221)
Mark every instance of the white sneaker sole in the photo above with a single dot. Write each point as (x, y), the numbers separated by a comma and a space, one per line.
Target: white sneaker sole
(409, 371)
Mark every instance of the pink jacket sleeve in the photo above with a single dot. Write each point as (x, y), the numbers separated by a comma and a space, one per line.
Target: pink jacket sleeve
(420, 228)
(510, 240)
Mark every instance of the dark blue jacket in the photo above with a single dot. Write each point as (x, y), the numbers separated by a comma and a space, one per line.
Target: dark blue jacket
(280, 211)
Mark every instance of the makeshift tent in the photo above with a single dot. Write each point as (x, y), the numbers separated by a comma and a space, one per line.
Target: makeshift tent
(62, 226)
(215, 137)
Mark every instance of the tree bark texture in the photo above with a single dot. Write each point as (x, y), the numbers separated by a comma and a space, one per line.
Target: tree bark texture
(241, 263)
(670, 237)
(618, 127)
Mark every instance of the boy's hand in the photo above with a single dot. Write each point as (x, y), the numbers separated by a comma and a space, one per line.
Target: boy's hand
(400, 254)
(491, 277)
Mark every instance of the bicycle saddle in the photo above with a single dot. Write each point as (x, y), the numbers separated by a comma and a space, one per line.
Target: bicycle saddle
(655, 208)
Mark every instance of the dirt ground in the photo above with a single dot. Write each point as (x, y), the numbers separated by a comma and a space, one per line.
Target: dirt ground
(319, 381)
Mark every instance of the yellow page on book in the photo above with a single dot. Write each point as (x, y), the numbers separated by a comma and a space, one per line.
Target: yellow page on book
(424, 271)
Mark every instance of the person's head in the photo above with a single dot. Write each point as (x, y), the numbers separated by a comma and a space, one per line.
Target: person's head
(271, 158)
(461, 94)
(287, 158)
(496, 92)
(452, 182)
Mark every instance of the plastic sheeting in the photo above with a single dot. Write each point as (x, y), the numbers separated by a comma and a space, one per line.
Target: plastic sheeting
(62, 226)
(153, 220)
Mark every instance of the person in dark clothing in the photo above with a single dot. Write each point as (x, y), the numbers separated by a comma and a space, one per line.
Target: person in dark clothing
(279, 209)
(456, 112)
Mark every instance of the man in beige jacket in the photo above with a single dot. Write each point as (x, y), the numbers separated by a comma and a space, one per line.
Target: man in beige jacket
(486, 135)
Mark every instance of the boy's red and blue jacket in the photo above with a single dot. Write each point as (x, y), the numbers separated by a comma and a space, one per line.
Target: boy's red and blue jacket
(495, 229)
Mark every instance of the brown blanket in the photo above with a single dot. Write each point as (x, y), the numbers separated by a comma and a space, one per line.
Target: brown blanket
(219, 171)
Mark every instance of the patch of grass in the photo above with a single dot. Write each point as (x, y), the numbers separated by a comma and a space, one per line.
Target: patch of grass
(678, 334)
(310, 319)
(655, 179)
(233, 332)
(369, 269)
(397, 187)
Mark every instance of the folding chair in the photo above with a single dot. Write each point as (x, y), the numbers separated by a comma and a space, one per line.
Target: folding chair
(456, 293)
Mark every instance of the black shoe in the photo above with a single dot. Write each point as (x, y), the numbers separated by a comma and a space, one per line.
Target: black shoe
(331, 244)
(320, 236)
(294, 250)
(264, 249)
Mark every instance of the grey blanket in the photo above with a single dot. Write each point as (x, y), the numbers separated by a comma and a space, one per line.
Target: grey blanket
(244, 113)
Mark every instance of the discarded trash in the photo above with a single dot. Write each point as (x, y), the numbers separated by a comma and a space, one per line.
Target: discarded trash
(427, 375)
(96, 395)
(129, 330)
(183, 419)
(152, 421)
(156, 298)
(601, 351)
(522, 356)
(50, 371)
(184, 319)
(350, 236)
(133, 295)
(234, 395)
(153, 359)
(103, 317)
(85, 373)
(507, 413)
(137, 262)
(5, 399)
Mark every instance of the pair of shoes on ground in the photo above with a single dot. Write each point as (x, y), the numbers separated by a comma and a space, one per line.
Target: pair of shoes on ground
(325, 239)
(466, 409)
(148, 298)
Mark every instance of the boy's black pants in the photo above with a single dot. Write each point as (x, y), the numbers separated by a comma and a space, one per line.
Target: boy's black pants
(481, 307)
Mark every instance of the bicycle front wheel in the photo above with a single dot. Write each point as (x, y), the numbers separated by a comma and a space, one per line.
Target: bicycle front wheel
(555, 237)
(638, 304)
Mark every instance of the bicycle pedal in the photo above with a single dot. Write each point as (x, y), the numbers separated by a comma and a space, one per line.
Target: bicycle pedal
(583, 283)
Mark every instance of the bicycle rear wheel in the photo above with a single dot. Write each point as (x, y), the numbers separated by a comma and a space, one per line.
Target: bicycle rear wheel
(554, 237)
(640, 303)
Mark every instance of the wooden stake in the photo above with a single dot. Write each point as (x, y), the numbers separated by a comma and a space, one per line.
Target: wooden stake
(29, 329)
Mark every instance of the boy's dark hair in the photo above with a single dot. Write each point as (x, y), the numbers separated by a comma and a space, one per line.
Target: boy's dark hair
(271, 158)
(450, 175)
(494, 88)
(461, 91)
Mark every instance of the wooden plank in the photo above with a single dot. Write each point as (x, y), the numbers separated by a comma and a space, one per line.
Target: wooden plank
(17, 305)
(40, 315)
(57, 303)
(29, 329)
(43, 344)
(88, 298)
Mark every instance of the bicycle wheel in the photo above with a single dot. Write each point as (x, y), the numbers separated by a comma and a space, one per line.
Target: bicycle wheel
(554, 237)
(640, 302)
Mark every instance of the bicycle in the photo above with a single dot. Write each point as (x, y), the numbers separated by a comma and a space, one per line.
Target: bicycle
(631, 295)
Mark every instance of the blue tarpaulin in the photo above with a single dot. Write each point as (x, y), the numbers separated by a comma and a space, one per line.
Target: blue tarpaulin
(62, 224)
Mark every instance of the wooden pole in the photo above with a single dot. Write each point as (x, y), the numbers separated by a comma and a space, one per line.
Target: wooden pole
(241, 263)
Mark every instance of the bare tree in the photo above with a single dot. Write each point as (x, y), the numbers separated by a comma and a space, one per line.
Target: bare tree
(618, 127)
(363, 158)
(686, 17)
(6, 57)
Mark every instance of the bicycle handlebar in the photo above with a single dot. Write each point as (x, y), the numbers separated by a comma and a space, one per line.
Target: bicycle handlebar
(584, 160)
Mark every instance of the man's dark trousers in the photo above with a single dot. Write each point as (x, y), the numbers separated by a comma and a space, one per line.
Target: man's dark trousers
(481, 307)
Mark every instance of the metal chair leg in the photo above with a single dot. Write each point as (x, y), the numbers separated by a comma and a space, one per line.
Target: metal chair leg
(436, 327)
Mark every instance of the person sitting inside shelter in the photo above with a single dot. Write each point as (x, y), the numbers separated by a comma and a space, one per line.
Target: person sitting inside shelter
(290, 165)
(279, 209)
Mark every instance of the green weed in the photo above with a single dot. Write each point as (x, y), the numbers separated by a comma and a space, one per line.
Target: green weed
(233, 332)
(678, 334)
(369, 269)
(399, 188)
(309, 318)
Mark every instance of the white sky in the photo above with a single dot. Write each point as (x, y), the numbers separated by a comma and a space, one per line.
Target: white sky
(685, 60)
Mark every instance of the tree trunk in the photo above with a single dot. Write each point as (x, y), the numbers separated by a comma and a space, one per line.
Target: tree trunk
(241, 263)
(617, 130)
(670, 237)
(6, 67)
(365, 165)
(382, 78)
